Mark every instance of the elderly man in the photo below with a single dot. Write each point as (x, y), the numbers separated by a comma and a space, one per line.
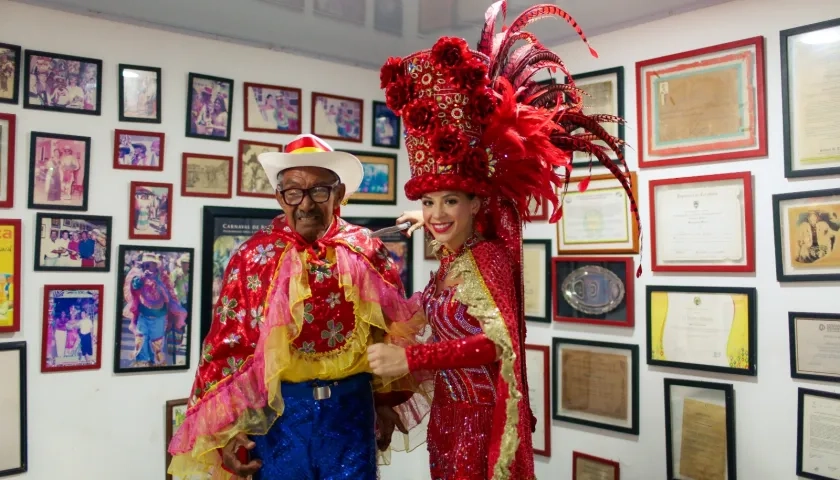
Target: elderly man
(283, 388)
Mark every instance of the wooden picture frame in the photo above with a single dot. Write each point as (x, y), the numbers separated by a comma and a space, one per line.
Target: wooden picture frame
(139, 150)
(731, 352)
(384, 122)
(76, 308)
(203, 94)
(54, 255)
(150, 211)
(255, 99)
(135, 83)
(13, 372)
(536, 255)
(819, 407)
(816, 331)
(605, 88)
(257, 183)
(173, 420)
(70, 195)
(8, 125)
(798, 217)
(698, 214)
(84, 97)
(374, 190)
(538, 356)
(11, 94)
(667, 79)
(326, 105)
(10, 267)
(589, 466)
(193, 167)
(574, 278)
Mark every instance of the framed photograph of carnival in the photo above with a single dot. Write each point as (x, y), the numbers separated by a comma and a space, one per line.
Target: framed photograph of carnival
(386, 126)
(72, 243)
(807, 231)
(209, 100)
(62, 83)
(59, 170)
(337, 118)
(150, 211)
(400, 247)
(7, 159)
(379, 185)
(138, 150)
(159, 339)
(72, 328)
(10, 275)
(251, 180)
(140, 95)
(9, 73)
(13, 415)
(604, 96)
(272, 109)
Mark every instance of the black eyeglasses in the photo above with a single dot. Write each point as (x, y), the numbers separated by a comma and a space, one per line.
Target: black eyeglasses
(319, 194)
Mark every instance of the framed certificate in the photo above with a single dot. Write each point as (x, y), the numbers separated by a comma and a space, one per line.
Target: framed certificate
(596, 384)
(536, 264)
(703, 224)
(13, 455)
(588, 467)
(813, 346)
(703, 105)
(702, 328)
(594, 290)
(810, 59)
(604, 96)
(598, 220)
(536, 360)
(700, 430)
(817, 451)
(807, 231)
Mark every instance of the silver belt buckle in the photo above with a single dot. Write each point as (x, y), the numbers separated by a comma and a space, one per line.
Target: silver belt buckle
(322, 393)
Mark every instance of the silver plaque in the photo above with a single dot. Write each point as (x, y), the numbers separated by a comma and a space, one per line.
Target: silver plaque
(593, 290)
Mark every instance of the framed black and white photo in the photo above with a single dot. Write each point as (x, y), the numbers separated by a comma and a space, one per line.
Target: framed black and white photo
(813, 344)
(536, 266)
(817, 452)
(13, 415)
(807, 235)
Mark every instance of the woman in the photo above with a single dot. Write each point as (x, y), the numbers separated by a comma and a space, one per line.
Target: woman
(481, 145)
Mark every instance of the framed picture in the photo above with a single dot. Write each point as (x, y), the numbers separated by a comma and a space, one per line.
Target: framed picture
(62, 83)
(146, 343)
(702, 328)
(345, 11)
(721, 87)
(536, 265)
(59, 167)
(428, 250)
(386, 125)
(140, 93)
(10, 275)
(223, 230)
(13, 460)
(807, 52)
(73, 243)
(272, 109)
(206, 175)
(605, 90)
(251, 181)
(807, 231)
(337, 118)
(702, 223)
(7, 159)
(209, 100)
(136, 150)
(815, 414)
(586, 466)
(700, 429)
(812, 337)
(598, 220)
(176, 413)
(150, 211)
(596, 384)
(72, 331)
(539, 210)
(400, 247)
(536, 360)
(593, 290)
(9, 73)
(379, 185)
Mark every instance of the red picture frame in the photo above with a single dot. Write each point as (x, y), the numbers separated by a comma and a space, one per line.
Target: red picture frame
(15, 260)
(360, 105)
(546, 421)
(738, 149)
(749, 229)
(240, 164)
(541, 214)
(8, 201)
(135, 204)
(185, 158)
(147, 139)
(96, 330)
(578, 455)
(246, 100)
(627, 276)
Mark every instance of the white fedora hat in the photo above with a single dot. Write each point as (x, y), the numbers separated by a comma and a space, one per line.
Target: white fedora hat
(310, 151)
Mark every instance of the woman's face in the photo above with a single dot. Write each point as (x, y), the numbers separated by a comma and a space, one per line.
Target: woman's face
(449, 216)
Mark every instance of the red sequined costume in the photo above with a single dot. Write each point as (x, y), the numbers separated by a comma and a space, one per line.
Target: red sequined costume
(476, 121)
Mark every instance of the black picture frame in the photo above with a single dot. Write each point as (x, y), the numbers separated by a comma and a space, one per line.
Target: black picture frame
(373, 224)
(750, 293)
(199, 76)
(729, 399)
(618, 72)
(376, 198)
(20, 346)
(33, 171)
(16, 51)
(800, 430)
(556, 373)
(794, 368)
(380, 109)
(27, 102)
(621, 268)
(787, 134)
(96, 219)
(122, 331)
(545, 243)
(779, 242)
(121, 71)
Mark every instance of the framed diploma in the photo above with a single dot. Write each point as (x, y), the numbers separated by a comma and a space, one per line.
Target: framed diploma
(594, 290)
(13, 456)
(807, 231)
(699, 430)
(536, 360)
(810, 60)
(536, 263)
(702, 328)
(598, 220)
(703, 105)
(604, 96)
(596, 384)
(703, 224)
(588, 467)
(814, 340)
(817, 449)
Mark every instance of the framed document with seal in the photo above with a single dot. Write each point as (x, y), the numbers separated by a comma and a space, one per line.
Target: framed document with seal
(588, 467)
(817, 449)
(702, 224)
(702, 328)
(594, 290)
(596, 384)
(13, 451)
(703, 105)
(536, 359)
(700, 430)
(604, 96)
(598, 220)
(536, 264)
(814, 346)
(810, 59)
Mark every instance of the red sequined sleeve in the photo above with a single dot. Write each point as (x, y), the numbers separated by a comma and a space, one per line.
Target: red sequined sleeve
(472, 351)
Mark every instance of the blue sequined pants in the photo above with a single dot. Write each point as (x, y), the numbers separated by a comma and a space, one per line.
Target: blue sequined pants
(330, 439)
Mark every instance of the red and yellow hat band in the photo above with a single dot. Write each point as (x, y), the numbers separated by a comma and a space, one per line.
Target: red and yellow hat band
(307, 144)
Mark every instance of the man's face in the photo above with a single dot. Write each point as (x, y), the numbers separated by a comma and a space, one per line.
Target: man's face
(308, 218)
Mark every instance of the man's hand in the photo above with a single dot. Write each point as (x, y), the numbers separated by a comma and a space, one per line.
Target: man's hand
(231, 459)
(415, 217)
(386, 420)
(387, 360)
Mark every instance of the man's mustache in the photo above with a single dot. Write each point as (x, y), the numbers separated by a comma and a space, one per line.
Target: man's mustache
(307, 215)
